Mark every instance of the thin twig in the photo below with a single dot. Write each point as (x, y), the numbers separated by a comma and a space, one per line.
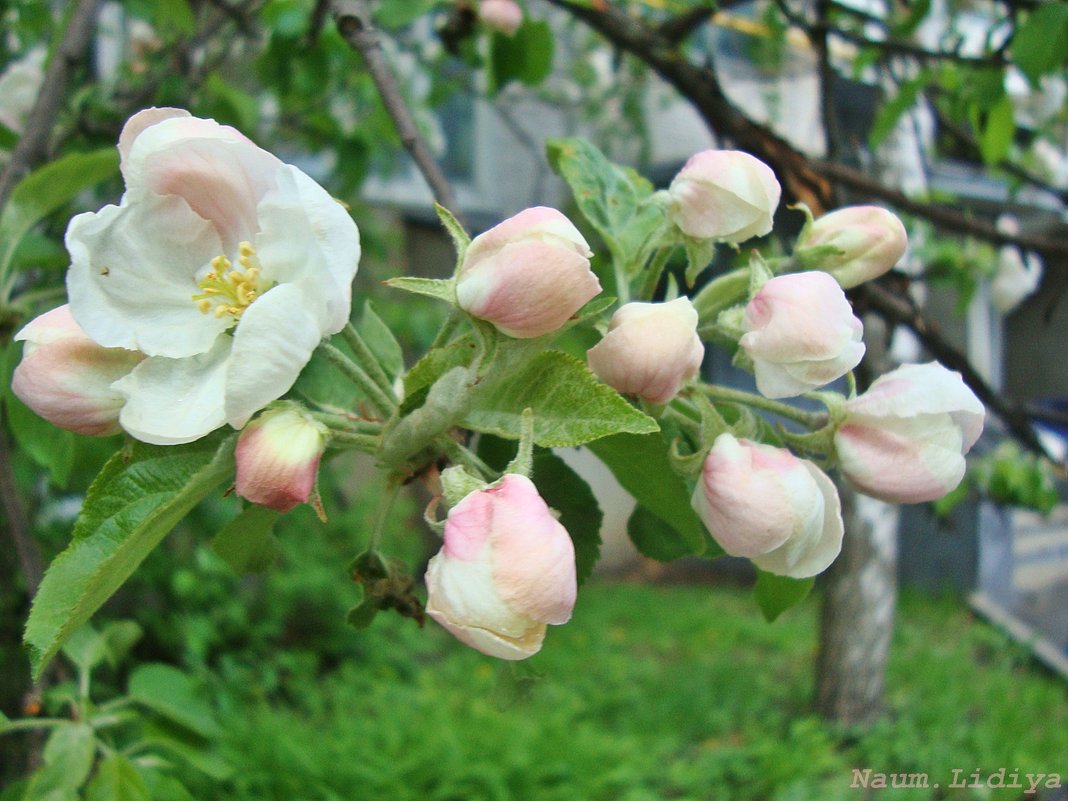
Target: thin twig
(805, 179)
(355, 24)
(18, 522)
(33, 144)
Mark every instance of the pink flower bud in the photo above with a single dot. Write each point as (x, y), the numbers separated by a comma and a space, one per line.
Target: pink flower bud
(278, 458)
(66, 378)
(871, 240)
(726, 195)
(764, 503)
(528, 274)
(800, 334)
(904, 440)
(650, 349)
(507, 569)
(503, 16)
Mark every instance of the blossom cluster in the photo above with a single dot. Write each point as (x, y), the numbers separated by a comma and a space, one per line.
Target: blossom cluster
(197, 301)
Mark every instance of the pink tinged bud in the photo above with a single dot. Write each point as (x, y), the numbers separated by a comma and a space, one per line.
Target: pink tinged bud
(528, 275)
(278, 458)
(66, 378)
(765, 504)
(503, 16)
(872, 241)
(801, 334)
(725, 195)
(650, 349)
(506, 570)
(904, 440)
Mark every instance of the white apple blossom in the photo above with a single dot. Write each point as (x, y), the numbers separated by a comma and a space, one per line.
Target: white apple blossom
(223, 265)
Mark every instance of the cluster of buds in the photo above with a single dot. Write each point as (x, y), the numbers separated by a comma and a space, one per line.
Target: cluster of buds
(506, 569)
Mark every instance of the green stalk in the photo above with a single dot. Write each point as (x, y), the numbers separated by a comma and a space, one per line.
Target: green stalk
(383, 403)
(368, 443)
(462, 455)
(365, 358)
(720, 393)
(654, 270)
(721, 293)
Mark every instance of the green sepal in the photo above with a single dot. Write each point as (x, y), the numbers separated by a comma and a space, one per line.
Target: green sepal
(460, 238)
(775, 594)
(440, 288)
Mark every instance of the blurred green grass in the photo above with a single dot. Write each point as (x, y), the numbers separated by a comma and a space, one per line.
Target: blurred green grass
(651, 692)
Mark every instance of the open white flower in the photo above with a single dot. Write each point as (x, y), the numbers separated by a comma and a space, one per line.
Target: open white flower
(223, 265)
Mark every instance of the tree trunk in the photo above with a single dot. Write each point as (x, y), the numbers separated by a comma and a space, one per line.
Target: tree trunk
(857, 619)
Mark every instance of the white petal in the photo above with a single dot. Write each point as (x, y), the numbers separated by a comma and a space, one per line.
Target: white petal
(272, 343)
(170, 401)
(308, 238)
(218, 171)
(133, 276)
(811, 552)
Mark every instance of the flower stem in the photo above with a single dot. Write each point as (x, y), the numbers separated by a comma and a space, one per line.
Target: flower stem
(654, 270)
(447, 328)
(340, 422)
(368, 443)
(383, 403)
(366, 359)
(27, 724)
(462, 455)
(393, 485)
(716, 392)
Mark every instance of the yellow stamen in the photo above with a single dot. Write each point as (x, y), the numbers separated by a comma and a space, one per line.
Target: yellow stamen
(227, 290)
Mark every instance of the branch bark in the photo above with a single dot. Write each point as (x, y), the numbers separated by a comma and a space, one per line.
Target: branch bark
(806, 179)
(356, 25)
(33, 144)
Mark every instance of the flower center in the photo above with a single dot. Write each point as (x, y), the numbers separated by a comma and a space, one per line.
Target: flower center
(229, 290)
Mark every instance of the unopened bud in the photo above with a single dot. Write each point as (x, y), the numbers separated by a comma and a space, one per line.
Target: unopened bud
(528, 274)
(870, 240)
(278, 458)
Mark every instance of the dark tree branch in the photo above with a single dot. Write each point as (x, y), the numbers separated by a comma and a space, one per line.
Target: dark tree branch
(33, 144)
(678, 29)
(813, 181)
(805, 179)
(355, 24)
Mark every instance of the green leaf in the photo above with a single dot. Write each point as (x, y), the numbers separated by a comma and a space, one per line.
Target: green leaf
(120, 636)
(397, 15)
(617, 201)
(128, 510)
(642, 465)
(117, 779)
(570, 405)
(174, 17)
(86, 648)
(193, 751)
(775, 594)
(995, 140)
(170, 693)
(68, 758)
(566, 492)
(526, 57)
(891, 111)
(655, 538)
(1040, 45)
(380, 339)
(433, 366)
(47, 189)
(440, 288)
(318, 382)
(247, 543)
